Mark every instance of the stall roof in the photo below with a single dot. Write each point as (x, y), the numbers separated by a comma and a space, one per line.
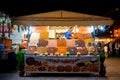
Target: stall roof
(62, 18)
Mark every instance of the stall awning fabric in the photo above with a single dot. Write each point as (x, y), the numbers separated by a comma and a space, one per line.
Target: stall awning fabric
(62, 18)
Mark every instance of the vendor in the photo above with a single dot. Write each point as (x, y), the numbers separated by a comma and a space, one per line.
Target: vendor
(68, 33)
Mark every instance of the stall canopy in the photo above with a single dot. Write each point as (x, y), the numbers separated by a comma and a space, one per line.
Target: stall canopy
(62, 18)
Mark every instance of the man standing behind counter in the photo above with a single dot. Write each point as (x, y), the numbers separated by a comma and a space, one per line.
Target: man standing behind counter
(68, 33)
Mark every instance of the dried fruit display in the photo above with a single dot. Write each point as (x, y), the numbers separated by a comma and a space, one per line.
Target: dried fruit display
(30, 61)
(72, 50)
(51, 50)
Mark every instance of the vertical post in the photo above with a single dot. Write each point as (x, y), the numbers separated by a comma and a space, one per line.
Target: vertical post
(18, 28)
(8, 31)
(28, 34)
(3, 40)
(3, 34)
(93, 31)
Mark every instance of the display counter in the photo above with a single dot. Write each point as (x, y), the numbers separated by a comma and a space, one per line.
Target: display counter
(61, 56)
(62, 64)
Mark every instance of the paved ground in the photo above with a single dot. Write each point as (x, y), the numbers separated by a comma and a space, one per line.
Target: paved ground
(112, 73)
(14, 76)
(112, 67)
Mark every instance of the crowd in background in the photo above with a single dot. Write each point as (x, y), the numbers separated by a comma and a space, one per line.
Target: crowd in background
(113, 49)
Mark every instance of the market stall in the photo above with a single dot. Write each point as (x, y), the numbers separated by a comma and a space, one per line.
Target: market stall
(49, 52)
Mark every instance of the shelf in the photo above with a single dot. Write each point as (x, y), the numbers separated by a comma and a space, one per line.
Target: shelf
(61, 72)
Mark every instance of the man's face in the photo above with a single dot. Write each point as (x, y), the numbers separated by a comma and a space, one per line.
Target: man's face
(71, 29)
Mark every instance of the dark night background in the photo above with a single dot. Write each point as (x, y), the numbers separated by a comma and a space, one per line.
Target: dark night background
(108, 8)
